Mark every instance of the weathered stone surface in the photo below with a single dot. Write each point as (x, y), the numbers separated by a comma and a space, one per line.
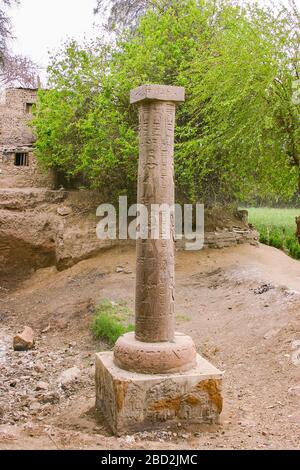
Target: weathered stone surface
(64, 211)
(41, 386)
(119, 269)
(155, 358)
(133, 402)
(272, 333)
(294, 393)
(68, 377)
(157, 92)
(14, 118)
(49, 397)
(16, 136)
(155, 278)
(225, 239)
(25, 340)
(23, 199)
(295, 418)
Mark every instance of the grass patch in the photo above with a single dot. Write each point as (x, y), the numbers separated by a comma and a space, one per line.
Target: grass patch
(111, 320)
(181, 318)
(277, 228)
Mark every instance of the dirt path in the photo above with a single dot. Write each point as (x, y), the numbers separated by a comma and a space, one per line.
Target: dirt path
(241, 306)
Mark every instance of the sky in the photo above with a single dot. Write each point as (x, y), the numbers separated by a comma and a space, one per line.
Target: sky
(41, 26)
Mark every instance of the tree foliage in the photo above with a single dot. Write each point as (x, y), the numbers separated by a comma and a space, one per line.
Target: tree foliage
(237, 135)
(81, 128)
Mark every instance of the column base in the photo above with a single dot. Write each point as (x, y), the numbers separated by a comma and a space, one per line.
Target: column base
(155, 358)
(133, 402)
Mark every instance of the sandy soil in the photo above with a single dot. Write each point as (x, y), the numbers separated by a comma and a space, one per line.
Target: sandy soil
(241, 306)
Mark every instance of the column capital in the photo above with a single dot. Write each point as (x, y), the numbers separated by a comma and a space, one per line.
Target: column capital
(157, 93)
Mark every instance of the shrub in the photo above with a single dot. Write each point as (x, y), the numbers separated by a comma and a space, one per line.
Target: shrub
(111, 320)
(293, 247)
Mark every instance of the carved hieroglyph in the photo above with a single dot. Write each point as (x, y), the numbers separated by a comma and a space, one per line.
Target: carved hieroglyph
(137, 402)
(155, 348)
(155, 257)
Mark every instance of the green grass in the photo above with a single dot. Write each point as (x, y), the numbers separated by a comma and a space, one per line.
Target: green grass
(181, 318)
(111, 320)
(277, 228)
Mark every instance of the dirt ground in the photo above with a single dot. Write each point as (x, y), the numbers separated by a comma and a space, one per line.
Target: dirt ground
(241, 306)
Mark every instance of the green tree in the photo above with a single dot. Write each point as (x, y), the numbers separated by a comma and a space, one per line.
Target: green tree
(81, 130)
(242, 93)
(238, 131)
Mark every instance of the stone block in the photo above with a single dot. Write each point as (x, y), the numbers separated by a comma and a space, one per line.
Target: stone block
(133, 402)
(157, 92)
(25, 340)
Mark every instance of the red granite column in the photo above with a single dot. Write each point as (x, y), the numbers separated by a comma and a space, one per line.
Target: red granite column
(154, 306)
(155, 258)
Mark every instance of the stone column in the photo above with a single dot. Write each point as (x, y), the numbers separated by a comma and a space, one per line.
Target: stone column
(155, 315)
(155, 257)
(155, 375)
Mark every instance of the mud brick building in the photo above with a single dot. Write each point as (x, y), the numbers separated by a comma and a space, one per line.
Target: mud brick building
(18, 166)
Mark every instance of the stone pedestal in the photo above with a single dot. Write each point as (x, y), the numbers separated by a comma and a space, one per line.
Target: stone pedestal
(133, 402)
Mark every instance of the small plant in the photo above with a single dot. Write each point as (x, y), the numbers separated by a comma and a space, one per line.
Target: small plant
(111, 320)
(181, 318)
(293, 247)
(276, 238)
